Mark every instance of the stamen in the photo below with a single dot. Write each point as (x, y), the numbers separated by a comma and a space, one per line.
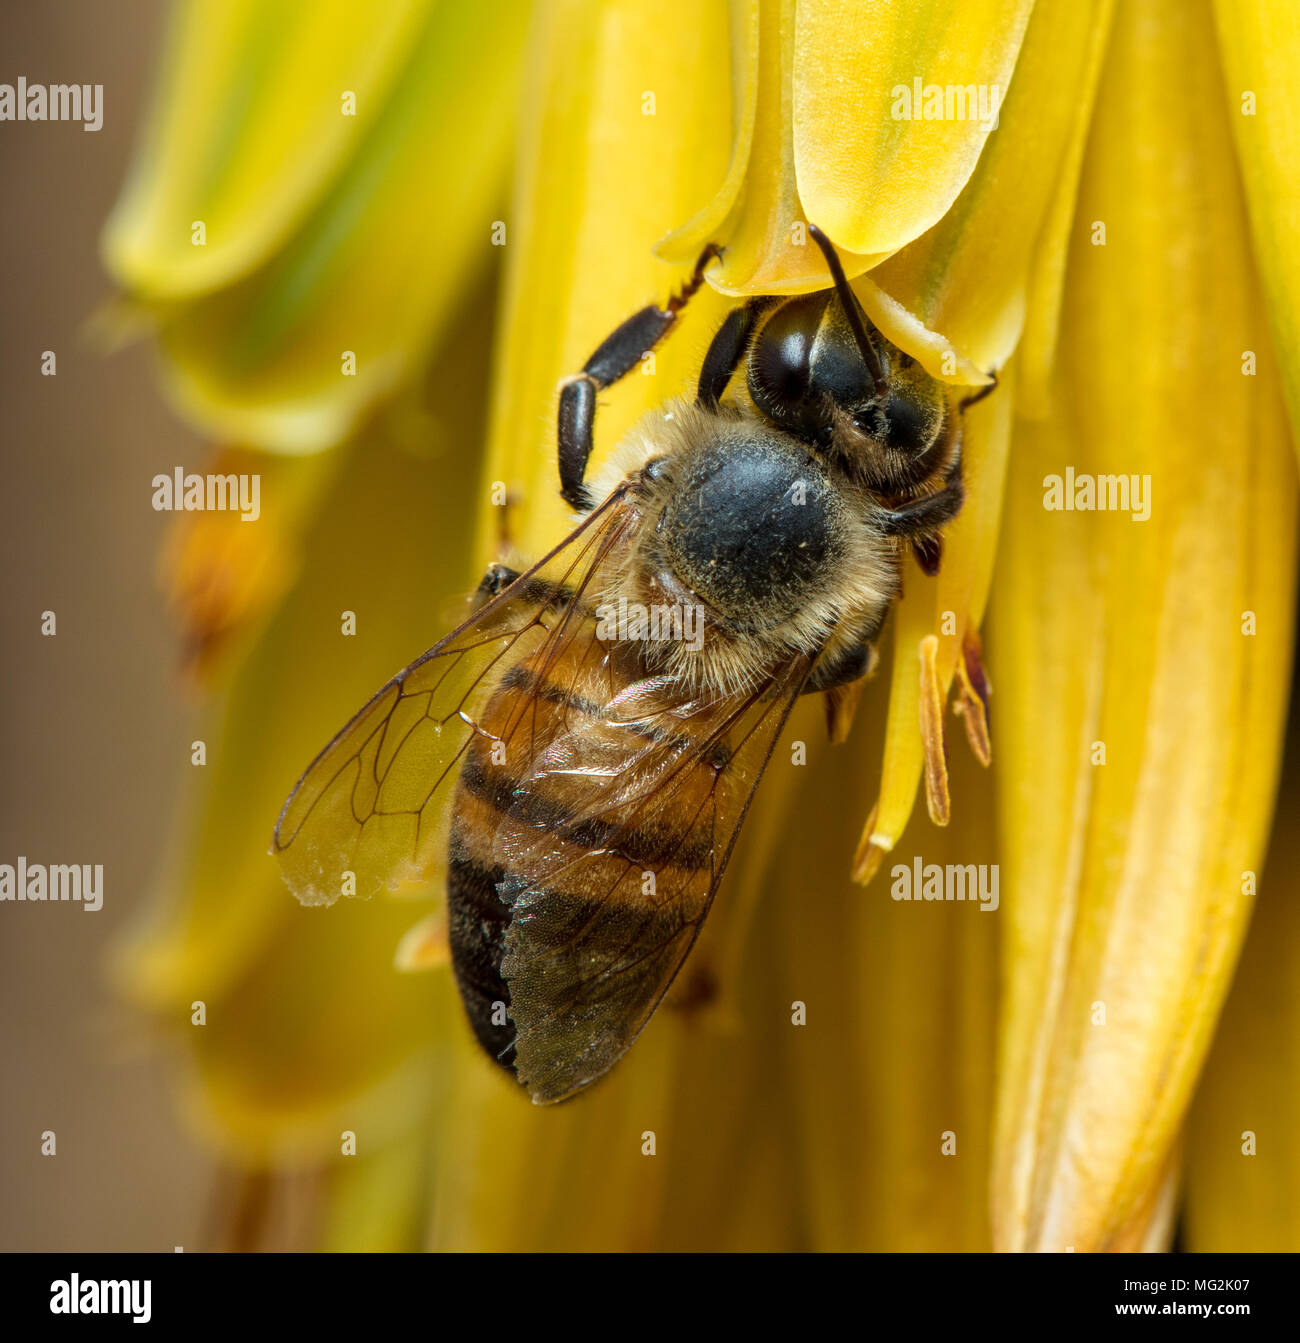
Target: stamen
(931, 716)
(973, 698)
(871, 853)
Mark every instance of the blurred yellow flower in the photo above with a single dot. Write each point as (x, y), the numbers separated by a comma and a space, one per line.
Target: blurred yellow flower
(1089, 199)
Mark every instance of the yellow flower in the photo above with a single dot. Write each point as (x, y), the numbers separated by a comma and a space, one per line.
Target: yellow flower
(1089, 199)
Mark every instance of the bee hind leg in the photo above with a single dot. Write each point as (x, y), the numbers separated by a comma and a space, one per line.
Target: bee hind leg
(616, 356)
(537, 593)
(494, 582)
(849, 664)
(842, 679)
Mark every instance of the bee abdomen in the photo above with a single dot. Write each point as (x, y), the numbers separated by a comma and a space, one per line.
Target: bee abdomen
(550, 852)
(547, 810)
(477, 922)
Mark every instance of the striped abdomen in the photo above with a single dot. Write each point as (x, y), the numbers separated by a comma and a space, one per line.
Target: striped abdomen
(596, 836)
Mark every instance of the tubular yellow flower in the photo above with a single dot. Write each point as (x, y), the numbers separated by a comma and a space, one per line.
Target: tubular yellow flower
(609, 143)
(306, 1029)
(1143, 665)
(1258, 42)
(1243, 1171)
(969, 277)
(570, 279)
(836, 1067)
(233, 69)
(337, 252)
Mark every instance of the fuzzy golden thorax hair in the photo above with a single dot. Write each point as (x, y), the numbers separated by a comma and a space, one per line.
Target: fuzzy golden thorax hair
(755, 582)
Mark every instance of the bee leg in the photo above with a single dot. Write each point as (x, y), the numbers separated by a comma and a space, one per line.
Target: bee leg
(495, 581)
(728, 347)
(929, 553)
(842, 679)
(616, 356)
(538, 592)
(927, 513)
(849, 664)
(841, 706)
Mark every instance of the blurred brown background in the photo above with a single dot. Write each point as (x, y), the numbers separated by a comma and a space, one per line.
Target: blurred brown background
(96, 731)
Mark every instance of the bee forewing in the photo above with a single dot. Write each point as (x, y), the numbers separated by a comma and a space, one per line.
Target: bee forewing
(369, 813)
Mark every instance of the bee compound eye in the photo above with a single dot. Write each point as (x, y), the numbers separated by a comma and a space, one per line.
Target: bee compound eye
(908, 425)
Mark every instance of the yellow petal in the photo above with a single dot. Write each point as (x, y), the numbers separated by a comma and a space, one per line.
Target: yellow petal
(1125, 906)
(1243, 1166)
(247, 132)
(343, 313)
(818, 124)
(585, 217)
(764, 230)
(1259, 44)
(1150, 1228)
(932, 349)
(871, 179)
(891, 1080)
(687, 241)
(1046, 286)
(969, 275)
(309, 1028)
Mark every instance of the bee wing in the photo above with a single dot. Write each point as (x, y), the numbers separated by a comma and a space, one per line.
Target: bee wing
(609, 892)
(370, 806)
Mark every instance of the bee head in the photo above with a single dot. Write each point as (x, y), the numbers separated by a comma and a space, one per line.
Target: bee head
(807, 375)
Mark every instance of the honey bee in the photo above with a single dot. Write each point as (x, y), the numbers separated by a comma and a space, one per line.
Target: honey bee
(585, 774)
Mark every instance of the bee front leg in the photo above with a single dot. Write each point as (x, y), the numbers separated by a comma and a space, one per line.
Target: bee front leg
(616, 356)
(729, 346)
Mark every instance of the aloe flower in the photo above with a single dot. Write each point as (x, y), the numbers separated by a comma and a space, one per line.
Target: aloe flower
(1104, 219)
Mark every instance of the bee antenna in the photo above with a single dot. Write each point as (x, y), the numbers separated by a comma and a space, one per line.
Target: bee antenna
(852, 310)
